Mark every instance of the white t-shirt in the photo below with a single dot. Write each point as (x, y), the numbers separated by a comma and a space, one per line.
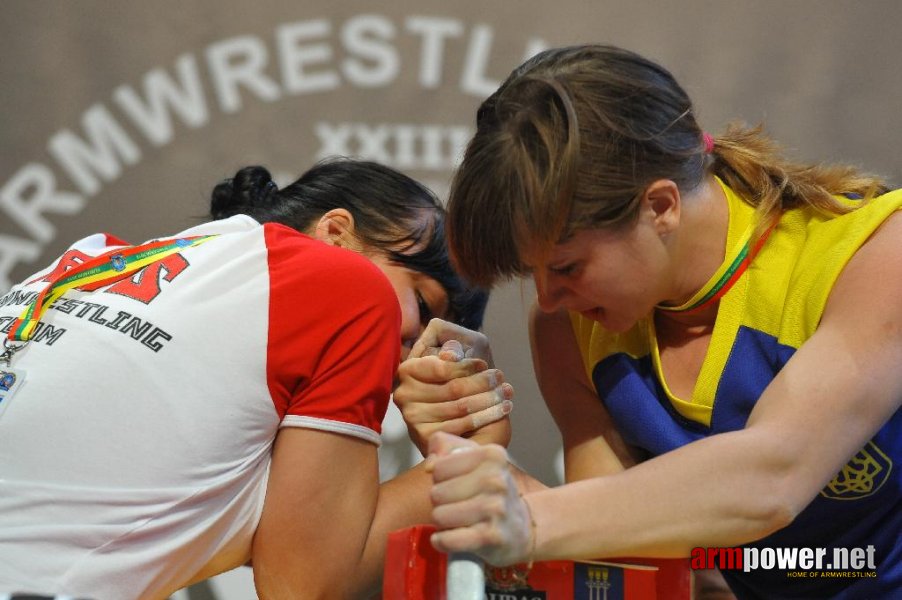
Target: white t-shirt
(134, 457)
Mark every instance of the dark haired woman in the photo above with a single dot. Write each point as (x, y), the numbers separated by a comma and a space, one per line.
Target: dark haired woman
(170, 386)
(727, 319)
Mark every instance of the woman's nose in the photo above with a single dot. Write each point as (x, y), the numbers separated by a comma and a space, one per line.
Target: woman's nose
(550, 293)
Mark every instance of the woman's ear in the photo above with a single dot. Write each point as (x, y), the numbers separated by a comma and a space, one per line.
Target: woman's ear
(662, 201)
(336, 228)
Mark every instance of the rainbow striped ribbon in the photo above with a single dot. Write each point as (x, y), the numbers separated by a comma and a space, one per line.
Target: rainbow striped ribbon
(107, 268)
(726, 275)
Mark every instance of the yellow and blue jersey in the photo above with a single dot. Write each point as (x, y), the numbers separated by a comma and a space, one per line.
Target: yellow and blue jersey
(770, 311)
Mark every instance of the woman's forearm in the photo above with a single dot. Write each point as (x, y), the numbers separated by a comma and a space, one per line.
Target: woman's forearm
(720, 491)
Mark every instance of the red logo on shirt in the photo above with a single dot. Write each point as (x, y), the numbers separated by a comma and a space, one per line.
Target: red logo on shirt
(69, 260)
(145, 285)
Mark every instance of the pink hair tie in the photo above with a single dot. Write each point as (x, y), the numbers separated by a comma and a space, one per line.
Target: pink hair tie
(709, 142)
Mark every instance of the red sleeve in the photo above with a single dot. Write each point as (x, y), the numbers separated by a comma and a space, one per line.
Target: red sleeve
(334, 336)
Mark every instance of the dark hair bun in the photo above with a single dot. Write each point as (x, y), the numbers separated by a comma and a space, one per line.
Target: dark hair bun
(250, 187)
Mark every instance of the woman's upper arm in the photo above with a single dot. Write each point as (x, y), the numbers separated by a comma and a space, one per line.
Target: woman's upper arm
(844, 383)
(320, 502)
(330, 365)
(592, 446)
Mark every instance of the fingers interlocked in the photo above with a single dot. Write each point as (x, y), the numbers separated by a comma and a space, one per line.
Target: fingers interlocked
(447, 393)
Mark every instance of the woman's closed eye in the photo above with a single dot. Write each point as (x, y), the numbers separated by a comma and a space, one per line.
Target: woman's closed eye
(426, 313)
(565, 270)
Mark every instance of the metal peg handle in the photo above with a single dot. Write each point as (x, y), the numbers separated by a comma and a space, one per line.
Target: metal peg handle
(466, 577)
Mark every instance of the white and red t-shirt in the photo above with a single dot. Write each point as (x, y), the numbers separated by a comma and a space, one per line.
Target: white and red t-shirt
(134, 457)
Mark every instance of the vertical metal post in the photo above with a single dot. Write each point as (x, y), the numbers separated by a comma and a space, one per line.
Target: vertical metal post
(466, 577)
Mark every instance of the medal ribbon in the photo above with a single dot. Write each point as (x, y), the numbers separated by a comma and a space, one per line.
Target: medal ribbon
(109, 267)
(726, 275)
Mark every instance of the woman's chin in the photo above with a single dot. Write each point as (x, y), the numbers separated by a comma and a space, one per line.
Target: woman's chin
(608, 321)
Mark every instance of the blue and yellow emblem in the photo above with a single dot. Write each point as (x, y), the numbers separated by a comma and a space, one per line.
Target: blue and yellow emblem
(863, 475)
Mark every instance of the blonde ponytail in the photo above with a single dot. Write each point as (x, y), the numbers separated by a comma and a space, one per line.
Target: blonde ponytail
(753, 165)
